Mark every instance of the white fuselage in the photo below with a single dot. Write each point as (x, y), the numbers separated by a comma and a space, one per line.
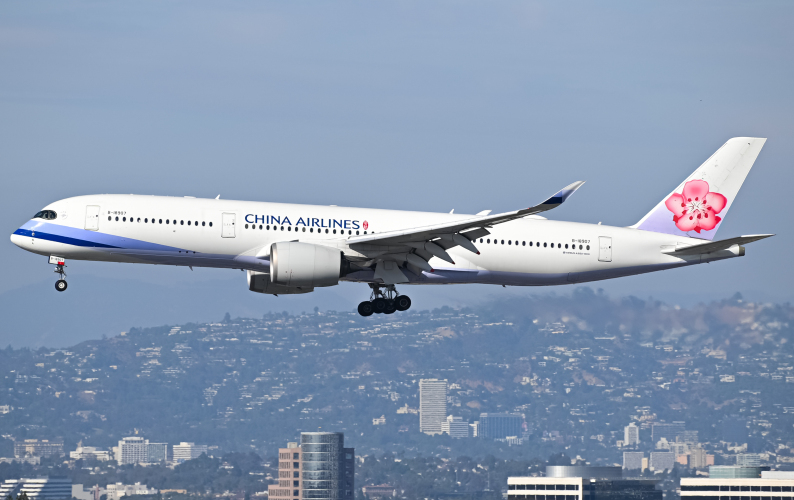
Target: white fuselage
(195, 232)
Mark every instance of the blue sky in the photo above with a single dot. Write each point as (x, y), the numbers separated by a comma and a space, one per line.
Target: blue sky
(404, 105)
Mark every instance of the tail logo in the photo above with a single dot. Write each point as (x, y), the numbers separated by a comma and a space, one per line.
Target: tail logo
(696, 208)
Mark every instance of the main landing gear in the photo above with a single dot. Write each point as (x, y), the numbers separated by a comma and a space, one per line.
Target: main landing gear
(60, 285)
(384, 302)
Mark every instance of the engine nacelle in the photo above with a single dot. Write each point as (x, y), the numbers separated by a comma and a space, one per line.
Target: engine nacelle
(304, 264)
(260, 283)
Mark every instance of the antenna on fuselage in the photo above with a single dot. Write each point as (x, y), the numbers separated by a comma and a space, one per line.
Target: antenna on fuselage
(218, 197)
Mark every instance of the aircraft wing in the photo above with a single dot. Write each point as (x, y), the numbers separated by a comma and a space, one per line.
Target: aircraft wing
(714, 246)
(469, 228)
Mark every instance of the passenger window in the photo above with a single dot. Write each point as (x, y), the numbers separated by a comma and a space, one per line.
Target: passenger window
(566, 246)
(167, 222)
(509, 242)
(304, 229)
(489, 240)
(210, 224)
(146, 220)
(202, 223)
(523, 243)
(503, 242)
(246, 226)
(356, 233)
(530, 243)
(544, 245)
(181, 223)
(326, 231)
(161, 221)
(588, 247)
(117, 219)
(123, 219)
(334, 231)
(311, 229)
(580, 247)
(188, 223)
(109, 217)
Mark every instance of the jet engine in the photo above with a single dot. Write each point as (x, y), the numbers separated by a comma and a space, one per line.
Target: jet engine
(306, 265)
(260, 283)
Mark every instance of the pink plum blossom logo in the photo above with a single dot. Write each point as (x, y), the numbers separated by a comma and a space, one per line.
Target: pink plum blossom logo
(696, 208)
(365, 224)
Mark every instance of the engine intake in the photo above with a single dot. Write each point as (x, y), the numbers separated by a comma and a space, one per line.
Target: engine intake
(304, 264)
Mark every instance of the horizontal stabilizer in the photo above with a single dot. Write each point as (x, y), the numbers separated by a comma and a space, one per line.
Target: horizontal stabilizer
(714, 246)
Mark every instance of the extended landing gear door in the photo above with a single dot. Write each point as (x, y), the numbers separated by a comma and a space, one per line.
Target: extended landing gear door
(605, 249)
(228, 225)
(92, 217)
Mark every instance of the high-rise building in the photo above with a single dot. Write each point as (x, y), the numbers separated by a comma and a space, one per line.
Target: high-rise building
(631, 435)
(582, 483)
(188, 451)
(42, 488)
(733, 472)
(432, 405)
(156, 452)
(668, 431)
(132, 450)
(456, 427)
(320, 468)
(500, 425)
(748, 460)
(632, 460)
(37, 448)
(662, 460)
(699, 459)
(747, 488)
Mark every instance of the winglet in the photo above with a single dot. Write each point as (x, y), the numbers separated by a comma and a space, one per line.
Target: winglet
(563, 194)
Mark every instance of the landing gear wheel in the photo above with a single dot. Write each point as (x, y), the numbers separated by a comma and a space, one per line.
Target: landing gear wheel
(365, 308)
(60, 285)
(390, 307)
(402, 302)
(379, 305)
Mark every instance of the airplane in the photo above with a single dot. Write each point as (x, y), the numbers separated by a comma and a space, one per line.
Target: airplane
(293, 249)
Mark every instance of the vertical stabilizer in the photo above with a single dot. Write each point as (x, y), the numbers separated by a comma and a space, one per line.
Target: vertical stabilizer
(698, 205)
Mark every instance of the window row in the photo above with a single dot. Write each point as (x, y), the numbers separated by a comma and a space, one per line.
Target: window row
(289, 228)
(160, 221)
(574, 487)
(737, 497)
(718, 487)
(537, 244)
(513, 495)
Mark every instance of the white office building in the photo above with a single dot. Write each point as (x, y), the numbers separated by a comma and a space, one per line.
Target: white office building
(661, 461)
(132, 450)
(188, 451)
(42, 488)
(118, 490)
(768, 487)
(89, 453)
(432, 405)
(632, 460)
(456, 427)
(631, 435)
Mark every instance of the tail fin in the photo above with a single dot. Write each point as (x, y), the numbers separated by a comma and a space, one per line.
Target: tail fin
(699, 204)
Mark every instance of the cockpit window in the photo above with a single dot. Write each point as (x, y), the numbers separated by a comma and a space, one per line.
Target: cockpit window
(46, 214)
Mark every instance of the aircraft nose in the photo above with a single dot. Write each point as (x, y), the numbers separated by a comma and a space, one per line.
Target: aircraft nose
(18, 239)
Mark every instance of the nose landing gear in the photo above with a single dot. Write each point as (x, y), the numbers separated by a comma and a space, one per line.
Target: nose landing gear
(384, 302)
(60, 263)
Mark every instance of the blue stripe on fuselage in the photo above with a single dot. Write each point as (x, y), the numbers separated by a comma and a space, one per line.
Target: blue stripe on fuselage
(61, 239)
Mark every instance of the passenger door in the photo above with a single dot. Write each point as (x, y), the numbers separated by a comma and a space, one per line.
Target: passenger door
(228, 225)
(92, 217)
(605, 249)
